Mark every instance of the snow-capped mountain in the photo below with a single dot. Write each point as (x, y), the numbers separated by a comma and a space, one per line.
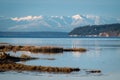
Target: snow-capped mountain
(52, 23)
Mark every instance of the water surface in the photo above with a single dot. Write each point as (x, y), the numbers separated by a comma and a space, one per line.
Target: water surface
(102, 54)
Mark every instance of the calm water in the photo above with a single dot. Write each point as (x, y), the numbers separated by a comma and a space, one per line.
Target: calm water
(102, 54)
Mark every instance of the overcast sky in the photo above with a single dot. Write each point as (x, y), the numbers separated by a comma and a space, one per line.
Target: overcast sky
(18, 8)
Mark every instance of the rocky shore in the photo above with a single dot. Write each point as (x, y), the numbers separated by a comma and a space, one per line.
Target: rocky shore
(39, 49)
(21, 67)
(8, 63)
(6, 58)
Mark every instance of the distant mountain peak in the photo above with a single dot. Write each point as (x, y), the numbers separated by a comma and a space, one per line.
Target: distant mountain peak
(76, 17)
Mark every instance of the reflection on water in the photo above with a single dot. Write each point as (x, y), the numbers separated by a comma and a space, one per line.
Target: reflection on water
(102, 54)
(76, 54)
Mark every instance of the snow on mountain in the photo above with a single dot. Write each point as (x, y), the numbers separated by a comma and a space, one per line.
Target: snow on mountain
(77, 19)
(27, 18)
(52, 23)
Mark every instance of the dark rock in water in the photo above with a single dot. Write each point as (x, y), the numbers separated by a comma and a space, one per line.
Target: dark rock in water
(94, 71)
(22, 67)
(76, 69)
(47, 49)
(38, 49)
(7, 58)
(76, 49)
(7, 63)
(47, 58)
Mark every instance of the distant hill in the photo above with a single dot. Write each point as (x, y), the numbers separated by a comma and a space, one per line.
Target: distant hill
(33, 34)
(107, 30)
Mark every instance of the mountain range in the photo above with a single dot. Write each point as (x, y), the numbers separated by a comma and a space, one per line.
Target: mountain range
(51, 23)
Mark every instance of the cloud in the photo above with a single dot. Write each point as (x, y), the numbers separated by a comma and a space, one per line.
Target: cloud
(28, 18)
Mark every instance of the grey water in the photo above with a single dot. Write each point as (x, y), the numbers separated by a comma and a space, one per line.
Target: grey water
(102, 54)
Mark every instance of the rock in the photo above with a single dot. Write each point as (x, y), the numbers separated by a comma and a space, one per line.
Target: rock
(24, 56)
(39, 49)
(3, 55)
(7, 58)
(76, 49)
(22, 67)
(94, 71)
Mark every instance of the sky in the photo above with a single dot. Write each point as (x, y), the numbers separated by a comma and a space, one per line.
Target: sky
(19, 8)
